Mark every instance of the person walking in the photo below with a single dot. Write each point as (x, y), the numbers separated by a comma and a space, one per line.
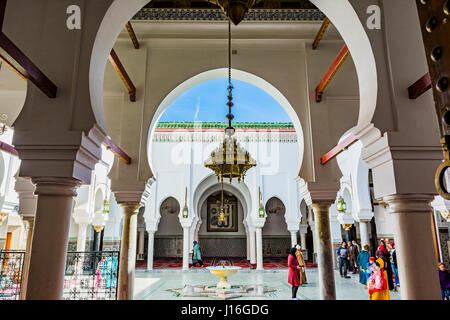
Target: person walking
(294, 273)
(378, 283)
(394, 265)
(363, 260)
(444, 278)
(343, 259)
(301, 264)
(196, 255)
(353, 255)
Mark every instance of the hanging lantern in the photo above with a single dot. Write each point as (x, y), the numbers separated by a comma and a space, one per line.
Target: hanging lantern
(185, 212)
(341, 205)
(229, 160)
(106, 206)
(261, 211)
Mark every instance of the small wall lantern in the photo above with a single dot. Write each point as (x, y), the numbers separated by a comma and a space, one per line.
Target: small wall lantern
(341, 206)
(185, 212)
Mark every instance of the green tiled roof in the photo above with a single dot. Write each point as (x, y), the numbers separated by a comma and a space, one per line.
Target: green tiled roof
(206, 125)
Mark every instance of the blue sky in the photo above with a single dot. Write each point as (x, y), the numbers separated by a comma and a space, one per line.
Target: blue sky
(206, 102)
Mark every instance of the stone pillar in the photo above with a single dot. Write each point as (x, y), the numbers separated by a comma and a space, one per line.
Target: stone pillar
(315, 242)
(27, 210)
(186, 247)
(141, 245)
(29, 226)
(303, 240)
(414, 244)
(81, 239)
(364, 232)
(50, 236)
(247, 235)
(150, 252)
(127, 261)
(252, 246)
(325, 250)
(259, 249)
(293, 237)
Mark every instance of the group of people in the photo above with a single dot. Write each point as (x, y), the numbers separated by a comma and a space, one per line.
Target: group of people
(348, 256)
(378, 274)
(297, 270)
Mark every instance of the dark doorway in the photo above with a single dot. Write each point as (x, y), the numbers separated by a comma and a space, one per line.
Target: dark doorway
(309, 243)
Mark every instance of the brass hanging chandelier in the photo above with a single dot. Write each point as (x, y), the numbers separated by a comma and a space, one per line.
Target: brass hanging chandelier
(235, 9)
(229, 159)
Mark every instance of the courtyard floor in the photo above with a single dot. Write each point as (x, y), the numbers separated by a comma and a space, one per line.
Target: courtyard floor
(155, 285)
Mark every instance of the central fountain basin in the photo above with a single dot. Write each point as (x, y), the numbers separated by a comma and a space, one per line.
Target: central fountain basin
(223, 273)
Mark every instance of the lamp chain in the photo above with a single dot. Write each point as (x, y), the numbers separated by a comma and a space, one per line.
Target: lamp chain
(230, 86)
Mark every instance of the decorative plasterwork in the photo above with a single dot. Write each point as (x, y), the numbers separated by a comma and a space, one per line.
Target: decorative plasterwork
(218, 15)
(213, 132)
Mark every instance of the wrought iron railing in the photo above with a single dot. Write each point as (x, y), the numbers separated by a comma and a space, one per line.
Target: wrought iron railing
(91, 275)
(11, 270)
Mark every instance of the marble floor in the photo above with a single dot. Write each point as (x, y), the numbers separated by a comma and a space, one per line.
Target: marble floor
(154, 285)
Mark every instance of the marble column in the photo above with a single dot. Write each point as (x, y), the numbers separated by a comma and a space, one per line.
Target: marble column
(81, 239)
(325, 250)
(50, 236)
(247, 235)
(293, 237)
(259, 249)
(141, 245)
(127, 261)
(186, 247)
(150, 249)
(303, 240)
(252, 246)
(364, 232)
(29, 226)
(416, 257)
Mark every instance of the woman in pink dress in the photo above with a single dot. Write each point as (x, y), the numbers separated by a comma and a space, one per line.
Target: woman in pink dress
(294, 273)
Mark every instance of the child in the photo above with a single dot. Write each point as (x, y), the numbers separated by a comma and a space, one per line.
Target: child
(444, 277)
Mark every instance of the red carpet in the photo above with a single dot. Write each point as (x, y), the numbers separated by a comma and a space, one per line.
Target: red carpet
(177, 263)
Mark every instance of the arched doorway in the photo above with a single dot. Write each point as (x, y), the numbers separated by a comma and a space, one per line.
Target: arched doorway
(227, 239)
(276, 237)
(169, 236)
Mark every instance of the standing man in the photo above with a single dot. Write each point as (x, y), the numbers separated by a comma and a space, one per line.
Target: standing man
(343, 259)
(349, 255)
(354, 256)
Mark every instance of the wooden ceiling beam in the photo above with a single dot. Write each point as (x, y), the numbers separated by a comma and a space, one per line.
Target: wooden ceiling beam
(22, 65)
(13, 57)
(132, 35)
(335, 66)
(108, 143)
(8, 148)
(120, 69)
(321, 33)
(118, 152)
(420, 86)
(344, 145)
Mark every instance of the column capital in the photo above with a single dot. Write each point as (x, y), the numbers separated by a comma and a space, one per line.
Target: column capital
(128, 196)
(404, 203)
(322, 206)
(130, 208)
(320, 191)
(56, 186)
(70, 154)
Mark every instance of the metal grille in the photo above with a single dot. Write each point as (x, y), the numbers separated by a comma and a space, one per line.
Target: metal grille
(11, 266)
(91, 275)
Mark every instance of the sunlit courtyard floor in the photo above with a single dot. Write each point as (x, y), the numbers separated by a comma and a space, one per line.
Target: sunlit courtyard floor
(155, 285)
